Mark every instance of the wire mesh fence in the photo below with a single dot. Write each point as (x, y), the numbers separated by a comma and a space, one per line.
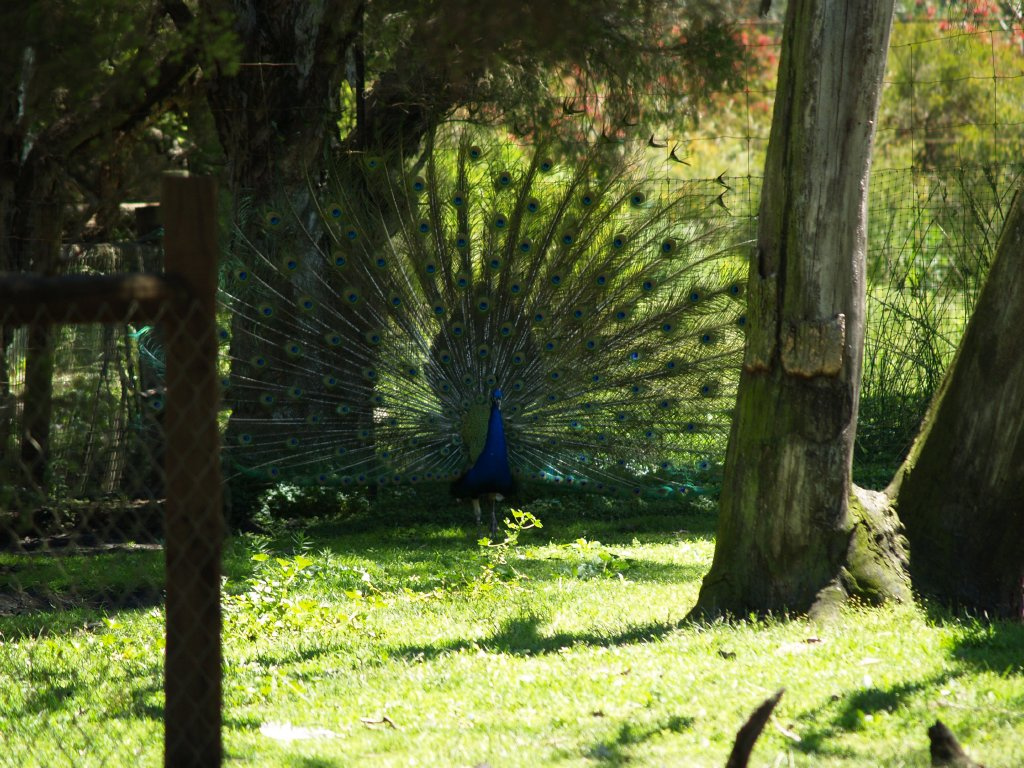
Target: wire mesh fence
(110, 518)
(81, 558)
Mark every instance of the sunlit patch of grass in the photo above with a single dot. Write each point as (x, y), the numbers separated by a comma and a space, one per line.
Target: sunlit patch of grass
(410, 644)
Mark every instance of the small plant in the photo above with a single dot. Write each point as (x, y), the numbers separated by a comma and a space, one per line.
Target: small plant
(277, 600)
(589, 559)
(497, 557)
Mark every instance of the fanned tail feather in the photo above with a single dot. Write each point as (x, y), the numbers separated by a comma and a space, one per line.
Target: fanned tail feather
(368, 331)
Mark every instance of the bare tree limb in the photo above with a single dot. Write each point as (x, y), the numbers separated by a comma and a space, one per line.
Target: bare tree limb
(946, 750)
(751, 729)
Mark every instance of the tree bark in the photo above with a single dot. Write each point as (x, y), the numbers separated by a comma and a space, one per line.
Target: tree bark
(788, 536)
(276, 120)
(39, 221)
(960, 492)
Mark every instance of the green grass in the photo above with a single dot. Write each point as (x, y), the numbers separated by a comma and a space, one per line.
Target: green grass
(407, 644)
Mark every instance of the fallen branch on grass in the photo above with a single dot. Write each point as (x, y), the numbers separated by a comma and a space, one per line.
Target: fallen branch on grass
(946, 750)
(751, 729)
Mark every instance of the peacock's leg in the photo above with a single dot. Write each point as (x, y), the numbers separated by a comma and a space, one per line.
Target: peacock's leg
(494, 517)
(476, 512)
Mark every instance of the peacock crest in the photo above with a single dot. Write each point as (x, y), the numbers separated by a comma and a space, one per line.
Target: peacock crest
(379, 315)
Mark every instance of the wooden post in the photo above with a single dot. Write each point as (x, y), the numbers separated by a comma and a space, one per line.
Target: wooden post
(194, 522)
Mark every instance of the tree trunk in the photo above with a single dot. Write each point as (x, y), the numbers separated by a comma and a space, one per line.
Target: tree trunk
(38, 407)
(39, 222)
(789, 537)
(960, 492)
(275, 124)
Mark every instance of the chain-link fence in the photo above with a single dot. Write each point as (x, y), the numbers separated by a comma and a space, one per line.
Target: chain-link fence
(110, 508)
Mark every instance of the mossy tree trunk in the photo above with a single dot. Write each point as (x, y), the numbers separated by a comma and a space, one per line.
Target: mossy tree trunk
(960, 492)
(789, 537)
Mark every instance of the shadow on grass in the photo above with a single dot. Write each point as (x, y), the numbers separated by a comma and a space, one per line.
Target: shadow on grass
(615, 750)
(981, 643)
(851, 711)
(48, 691)
(400, 512)
(521, 636)
(994, 646)
(40, 611)
(43, 590)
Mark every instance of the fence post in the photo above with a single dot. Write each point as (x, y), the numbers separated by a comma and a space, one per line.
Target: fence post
(194, 516)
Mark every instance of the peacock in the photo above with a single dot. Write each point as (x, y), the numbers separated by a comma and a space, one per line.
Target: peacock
(487, 316)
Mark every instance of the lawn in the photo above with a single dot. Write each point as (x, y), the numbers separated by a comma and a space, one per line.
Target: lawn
(392, 638)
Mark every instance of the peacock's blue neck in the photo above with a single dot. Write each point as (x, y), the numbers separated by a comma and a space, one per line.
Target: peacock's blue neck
(490, 472)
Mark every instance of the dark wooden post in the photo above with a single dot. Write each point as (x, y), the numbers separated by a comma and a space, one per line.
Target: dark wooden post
(192, 672)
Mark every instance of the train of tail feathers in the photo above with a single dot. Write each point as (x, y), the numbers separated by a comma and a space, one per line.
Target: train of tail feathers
(488, 317)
